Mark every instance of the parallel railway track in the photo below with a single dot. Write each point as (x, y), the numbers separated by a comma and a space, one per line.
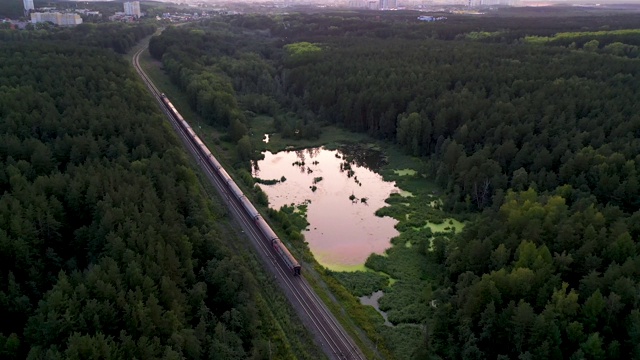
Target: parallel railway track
(329, 334)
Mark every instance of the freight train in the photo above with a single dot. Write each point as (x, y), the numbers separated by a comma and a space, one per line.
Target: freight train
(267, 233)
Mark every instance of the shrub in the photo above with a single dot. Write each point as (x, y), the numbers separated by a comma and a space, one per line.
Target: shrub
(361, 283)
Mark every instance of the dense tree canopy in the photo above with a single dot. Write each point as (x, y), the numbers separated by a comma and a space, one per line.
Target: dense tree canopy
(553, 277)
(228, 76)
(11, 9)
(478, 110)
(117, 36)
(108, 248)
(531, 121)
(482, 111)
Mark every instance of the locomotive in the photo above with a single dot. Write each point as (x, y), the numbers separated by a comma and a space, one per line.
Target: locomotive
(267, 233)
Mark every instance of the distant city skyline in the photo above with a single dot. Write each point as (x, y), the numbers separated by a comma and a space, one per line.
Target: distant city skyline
(400, 3)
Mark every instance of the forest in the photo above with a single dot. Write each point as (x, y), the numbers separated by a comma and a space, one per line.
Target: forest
(14, 9)
(530, 126)
(110, 247)
(117, 36)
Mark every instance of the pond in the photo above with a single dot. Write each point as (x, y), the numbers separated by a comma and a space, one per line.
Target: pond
(343, 192)
(373, 300)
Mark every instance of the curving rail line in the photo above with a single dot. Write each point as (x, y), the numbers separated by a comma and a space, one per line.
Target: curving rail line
(330, 335)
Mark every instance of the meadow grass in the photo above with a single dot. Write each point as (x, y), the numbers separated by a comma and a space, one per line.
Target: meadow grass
(569, 36)
(331, 137)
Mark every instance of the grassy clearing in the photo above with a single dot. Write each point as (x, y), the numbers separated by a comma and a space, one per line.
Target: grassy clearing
(403, 339)
(347, 268)
(361, 283)
(401, 263)
(449, 225)
(142, 44)
(153, 68)
(331, 137)
(360, 319)
(571, 36)
(402, 305)
(405, 172)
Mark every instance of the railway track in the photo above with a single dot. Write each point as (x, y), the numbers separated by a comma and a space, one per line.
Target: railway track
(329, 334)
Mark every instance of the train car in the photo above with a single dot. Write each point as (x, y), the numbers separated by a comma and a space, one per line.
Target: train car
(170, 106)
(280, 248)
(286, 256)
(214, 162)
(207, 153)
(186, 127)
(266, 229)
(203, 148)
(223, 174)
(249, 208)
(196, 139)
(190, 131)
(235, 189)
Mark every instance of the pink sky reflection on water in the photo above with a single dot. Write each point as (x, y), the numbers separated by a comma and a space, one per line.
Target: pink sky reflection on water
(341, 233)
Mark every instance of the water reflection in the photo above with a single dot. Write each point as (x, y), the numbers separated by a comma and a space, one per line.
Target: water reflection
(373, 300)
(369, 158)
(344, 195)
